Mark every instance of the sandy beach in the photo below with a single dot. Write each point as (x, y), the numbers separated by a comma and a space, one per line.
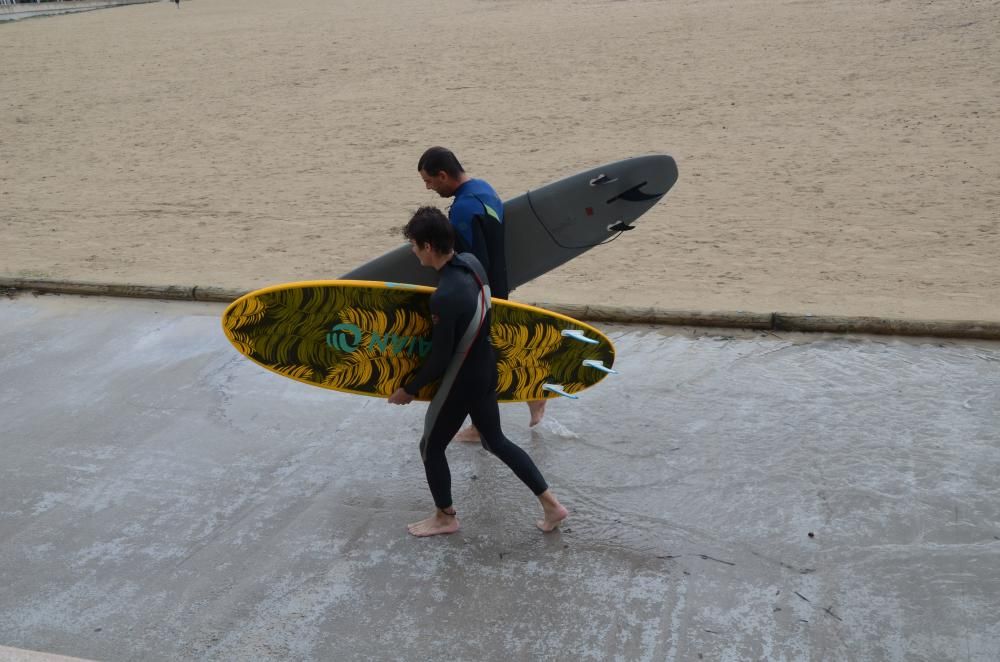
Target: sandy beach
(835, 157)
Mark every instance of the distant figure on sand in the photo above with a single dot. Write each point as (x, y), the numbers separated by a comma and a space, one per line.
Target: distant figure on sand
(462, 357)
(477, 217)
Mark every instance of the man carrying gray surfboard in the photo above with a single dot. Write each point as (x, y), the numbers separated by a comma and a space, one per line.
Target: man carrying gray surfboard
(477, 218)
(462, 357)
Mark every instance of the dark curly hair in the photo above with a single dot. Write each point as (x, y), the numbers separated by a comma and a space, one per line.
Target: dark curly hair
(429, 225)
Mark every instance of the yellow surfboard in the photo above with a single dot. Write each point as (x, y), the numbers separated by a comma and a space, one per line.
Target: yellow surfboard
(369, 337)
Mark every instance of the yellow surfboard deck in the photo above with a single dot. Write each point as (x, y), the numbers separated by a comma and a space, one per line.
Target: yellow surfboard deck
(369, 337)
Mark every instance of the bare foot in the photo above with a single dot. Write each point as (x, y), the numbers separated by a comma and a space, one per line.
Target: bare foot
(537, 409)
(555, 512)
(437, 524)
(469, 435)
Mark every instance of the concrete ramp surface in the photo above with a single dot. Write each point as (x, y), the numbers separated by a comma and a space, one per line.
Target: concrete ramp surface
(733, 497)
(20, 10)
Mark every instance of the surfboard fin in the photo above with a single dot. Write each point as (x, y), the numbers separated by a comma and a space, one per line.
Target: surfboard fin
(599, 365)
(577, 334)
(602, 179)
(558, 390)
(620, 226)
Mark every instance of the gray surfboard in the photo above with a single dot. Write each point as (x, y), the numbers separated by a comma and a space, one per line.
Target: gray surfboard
(549, 226)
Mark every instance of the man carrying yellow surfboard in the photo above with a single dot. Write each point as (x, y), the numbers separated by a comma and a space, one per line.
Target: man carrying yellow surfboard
(462, 357)
(477, 219)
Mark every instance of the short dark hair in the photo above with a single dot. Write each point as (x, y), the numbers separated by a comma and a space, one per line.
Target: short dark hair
(438, 159)
(429, 225)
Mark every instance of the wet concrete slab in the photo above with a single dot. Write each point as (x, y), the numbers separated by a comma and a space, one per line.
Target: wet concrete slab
(733, 496)
(8, 654)
(22, 10)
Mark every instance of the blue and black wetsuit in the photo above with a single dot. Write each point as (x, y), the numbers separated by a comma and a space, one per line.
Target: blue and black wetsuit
(462, 357)
(477, 216)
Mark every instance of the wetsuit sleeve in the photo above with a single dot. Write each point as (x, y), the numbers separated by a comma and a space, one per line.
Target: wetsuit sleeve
(461, 215)
(443, 340)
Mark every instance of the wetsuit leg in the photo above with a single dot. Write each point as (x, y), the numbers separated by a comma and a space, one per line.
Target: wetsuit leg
(485, 416)
(432, 447)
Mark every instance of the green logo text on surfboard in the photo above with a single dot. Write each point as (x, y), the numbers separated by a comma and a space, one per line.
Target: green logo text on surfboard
(348, 338)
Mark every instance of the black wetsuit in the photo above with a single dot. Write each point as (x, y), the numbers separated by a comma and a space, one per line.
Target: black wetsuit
(462, 357)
